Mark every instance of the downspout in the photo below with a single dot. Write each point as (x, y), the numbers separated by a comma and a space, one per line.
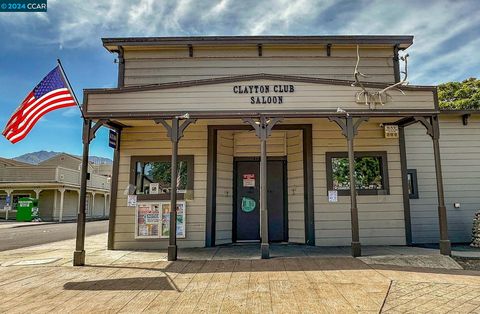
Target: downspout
(121, 67)
(396, 64)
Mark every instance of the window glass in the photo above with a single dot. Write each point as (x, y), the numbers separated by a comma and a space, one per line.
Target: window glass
(15, 198)
(160, 172)
(368, 173)
(412, 183)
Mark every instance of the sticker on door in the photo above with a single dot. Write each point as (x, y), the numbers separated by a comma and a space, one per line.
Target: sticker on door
(248, 204)
(249, 180)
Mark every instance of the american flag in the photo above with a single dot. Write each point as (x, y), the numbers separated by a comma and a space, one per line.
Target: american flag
(50, 94)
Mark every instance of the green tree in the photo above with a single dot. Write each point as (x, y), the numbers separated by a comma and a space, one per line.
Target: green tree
(460, 95)
(367, 172)
(161, 172)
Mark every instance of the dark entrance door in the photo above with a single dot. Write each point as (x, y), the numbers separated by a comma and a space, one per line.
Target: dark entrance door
(247, 200)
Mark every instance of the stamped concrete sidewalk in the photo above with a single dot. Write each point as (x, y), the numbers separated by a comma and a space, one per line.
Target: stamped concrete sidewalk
(297, 279)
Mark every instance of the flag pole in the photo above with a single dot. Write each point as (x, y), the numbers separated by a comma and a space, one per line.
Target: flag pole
(70, 88)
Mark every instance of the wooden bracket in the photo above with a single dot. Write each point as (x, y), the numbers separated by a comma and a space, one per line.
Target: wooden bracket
(342, 123)
(260, 52)
(465, 118)
(263, 127)
(175, 131)
(92, 130)
(428, 123)
(349, 125)
(329, 50)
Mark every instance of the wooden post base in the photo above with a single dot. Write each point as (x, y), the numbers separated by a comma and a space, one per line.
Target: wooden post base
(445, 247)
(172, 252)
(265, 247)
(356, 249)
(79, 258)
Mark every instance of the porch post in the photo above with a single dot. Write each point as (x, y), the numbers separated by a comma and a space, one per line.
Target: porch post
(356, 246)
(79, 254)
(175, 133)
(265, 248)
(105, 204)
(172, 246)
(112, 215)
(433, 129)
(8, 206)
(263, 129)
(62, 198)
(349, 130)
(445, 246)
(37, 193)
(92, 207)
(87, 136)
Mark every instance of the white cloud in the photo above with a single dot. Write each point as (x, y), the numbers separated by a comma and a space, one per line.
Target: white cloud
(435, 24)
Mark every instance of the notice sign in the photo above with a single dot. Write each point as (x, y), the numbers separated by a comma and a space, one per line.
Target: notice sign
(148, 218)
(131, 200)
(249, 180)
(112, 139)
(391, 131)
(154, 188)
(332, 196)
(165, 223)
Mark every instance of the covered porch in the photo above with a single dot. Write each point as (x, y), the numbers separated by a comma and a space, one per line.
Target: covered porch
(321, 125)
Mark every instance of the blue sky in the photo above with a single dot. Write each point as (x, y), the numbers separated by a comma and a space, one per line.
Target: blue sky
(446, 45)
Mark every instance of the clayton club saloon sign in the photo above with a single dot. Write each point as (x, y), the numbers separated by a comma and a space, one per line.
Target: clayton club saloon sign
(262, 94)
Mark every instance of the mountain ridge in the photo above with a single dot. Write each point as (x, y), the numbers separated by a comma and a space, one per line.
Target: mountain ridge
(35, 158)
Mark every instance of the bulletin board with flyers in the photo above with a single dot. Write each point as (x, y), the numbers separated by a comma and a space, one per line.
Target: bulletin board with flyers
(152, 220)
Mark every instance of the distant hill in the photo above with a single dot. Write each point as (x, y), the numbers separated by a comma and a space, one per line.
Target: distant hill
(37, 157)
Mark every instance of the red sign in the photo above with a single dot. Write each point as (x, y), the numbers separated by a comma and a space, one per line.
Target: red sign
(249, 180)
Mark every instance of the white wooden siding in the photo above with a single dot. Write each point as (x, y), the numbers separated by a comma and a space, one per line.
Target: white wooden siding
(247, 144)
(224, 207)
(460, 157)
(152, 66)
(381, 217)
(307, 96)
(152, 140)
(70, 204)
(296, 210)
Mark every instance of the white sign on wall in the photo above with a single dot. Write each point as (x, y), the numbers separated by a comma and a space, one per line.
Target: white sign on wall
(332, 196)
(154, 188)
(391, 131)
(152, 219)
(131, 200)
(249, 180)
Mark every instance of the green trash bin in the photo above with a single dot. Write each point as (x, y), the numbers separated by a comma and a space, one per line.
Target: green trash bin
(27, 209)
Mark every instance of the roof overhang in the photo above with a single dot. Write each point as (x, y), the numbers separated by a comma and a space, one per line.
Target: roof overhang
(402, 41)
(116, 94)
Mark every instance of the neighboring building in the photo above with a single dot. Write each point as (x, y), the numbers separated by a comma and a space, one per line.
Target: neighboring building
(460, 155)
(306, 81)
(56, 184)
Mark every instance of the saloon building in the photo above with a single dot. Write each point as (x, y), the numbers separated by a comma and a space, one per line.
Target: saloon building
(266, 135)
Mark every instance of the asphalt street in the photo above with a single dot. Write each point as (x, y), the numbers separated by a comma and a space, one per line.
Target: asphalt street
(28, 235)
